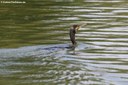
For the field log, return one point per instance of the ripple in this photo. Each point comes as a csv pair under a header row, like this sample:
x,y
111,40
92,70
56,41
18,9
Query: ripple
x,y
69,18
102,1
35,29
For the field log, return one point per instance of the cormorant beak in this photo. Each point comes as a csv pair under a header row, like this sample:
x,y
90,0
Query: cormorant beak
x,y
77,28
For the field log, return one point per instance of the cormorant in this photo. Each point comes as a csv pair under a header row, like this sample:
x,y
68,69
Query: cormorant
x,y
72,33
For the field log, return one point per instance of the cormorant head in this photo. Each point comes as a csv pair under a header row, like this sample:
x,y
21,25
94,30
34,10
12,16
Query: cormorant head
x,y
76,27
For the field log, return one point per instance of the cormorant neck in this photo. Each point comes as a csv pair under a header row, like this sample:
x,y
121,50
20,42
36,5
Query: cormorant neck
x,y
72,36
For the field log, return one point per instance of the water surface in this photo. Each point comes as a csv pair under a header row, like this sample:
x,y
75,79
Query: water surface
x,y
33,37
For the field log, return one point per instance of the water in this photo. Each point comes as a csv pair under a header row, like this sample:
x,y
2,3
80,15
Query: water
x,y
33,37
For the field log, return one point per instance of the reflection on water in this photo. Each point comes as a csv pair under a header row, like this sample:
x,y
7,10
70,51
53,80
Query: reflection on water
x,y
33,37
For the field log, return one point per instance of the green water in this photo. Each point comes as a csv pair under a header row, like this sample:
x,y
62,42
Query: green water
x,y
33,36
